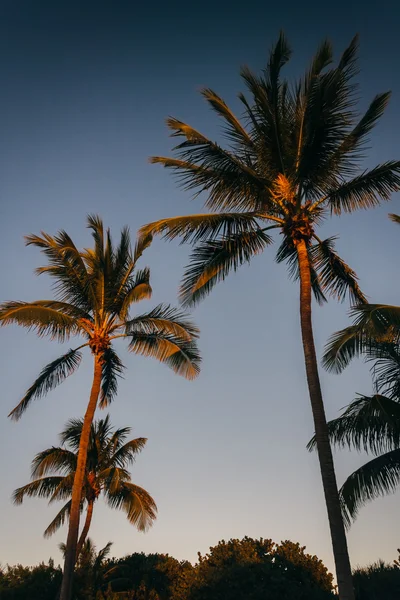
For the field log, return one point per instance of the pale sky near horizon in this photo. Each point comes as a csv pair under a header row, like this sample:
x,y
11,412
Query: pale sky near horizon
x,y
85,89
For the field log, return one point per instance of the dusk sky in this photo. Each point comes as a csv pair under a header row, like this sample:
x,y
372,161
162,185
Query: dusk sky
x,y
85,90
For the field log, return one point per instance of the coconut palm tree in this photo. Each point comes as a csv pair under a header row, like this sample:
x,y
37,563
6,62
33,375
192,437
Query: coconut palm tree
x,y
109,456
95,289
293,160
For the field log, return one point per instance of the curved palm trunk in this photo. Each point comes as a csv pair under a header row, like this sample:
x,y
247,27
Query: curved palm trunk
x,y
73,529
85,530
338,535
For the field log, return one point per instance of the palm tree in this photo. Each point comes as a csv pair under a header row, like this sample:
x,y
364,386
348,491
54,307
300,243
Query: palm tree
x,y
109,456
290,162
95,289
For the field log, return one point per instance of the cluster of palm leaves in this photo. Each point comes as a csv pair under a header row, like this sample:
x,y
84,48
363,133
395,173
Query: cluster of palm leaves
x,y
292,160
109,455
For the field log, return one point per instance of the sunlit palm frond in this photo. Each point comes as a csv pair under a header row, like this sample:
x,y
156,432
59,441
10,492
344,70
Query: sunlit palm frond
x,y
394,218
163,319
233,128
44,317
195,228
53,460
50,377
140,508
211,262
138,289
378,477
181,355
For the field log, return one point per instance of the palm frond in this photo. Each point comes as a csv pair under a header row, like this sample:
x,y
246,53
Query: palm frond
x,y
43,316
58,520
140,508
53,460
127,453
233,129
369,424
335,276
367,190
181,355
211,262
112,369
50,377
373,324
40,488
394,218
138,289
67,267
378,477
195,228
163,318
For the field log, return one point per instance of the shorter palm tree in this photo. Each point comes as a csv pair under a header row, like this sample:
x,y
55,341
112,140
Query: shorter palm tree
x,y
109,455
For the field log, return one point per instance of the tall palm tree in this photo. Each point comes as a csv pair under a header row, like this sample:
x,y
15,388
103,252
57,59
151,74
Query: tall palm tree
x,y
292,160
109,456
95,289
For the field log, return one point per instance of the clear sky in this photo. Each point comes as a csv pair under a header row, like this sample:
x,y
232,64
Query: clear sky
x,y
85,89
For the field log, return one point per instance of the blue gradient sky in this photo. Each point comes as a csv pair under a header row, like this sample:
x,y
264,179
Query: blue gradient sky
x,y
84,94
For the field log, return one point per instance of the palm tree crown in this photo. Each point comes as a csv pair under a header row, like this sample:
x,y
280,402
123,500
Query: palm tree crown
x,y
293,159
95,290
109,456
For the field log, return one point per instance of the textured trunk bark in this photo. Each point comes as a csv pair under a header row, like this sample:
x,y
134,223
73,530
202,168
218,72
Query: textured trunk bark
x,y
85,530
73,529
338,535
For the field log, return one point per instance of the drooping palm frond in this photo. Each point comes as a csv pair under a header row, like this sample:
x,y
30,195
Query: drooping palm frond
x,y
138,505
335,277
58,520
163,319
112,369
181,355
42,316
195,228
366,190
40,488
53,460
211,262
373,324
51,376
378,477
369,423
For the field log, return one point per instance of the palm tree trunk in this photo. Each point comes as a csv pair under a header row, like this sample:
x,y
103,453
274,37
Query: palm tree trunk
x,y
338,535
73,529
85,530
